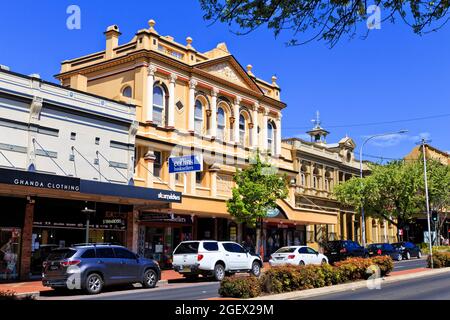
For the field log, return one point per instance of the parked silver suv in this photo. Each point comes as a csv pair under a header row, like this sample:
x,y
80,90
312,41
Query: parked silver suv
x,y
93,266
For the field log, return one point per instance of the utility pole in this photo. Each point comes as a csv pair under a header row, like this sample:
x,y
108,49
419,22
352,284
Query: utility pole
x,y
424,146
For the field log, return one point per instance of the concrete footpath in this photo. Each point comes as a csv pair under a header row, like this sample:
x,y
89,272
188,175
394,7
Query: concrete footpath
x,y
393,277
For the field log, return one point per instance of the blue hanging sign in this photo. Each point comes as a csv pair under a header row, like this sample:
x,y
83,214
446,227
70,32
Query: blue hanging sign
x,y
192,163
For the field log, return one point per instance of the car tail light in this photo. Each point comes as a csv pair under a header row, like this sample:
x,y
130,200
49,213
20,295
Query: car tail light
x,y
344,250
271,257
70,263
291,256
199,257
379,252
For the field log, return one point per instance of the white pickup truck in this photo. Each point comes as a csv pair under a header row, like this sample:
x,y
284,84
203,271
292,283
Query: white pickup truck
x,y
214,259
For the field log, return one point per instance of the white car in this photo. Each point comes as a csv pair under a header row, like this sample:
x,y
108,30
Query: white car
x,y
214,258
297,255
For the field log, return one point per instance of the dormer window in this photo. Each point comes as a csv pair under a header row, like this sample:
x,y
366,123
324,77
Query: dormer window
x,y
127,92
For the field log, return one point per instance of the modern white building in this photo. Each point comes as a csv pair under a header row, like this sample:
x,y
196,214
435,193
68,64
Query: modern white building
x,y
65,156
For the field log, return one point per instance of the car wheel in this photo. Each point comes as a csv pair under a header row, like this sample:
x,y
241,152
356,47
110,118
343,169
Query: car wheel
x,y
324,262
408,256
399,257
219,272
150,278
302,263
256,269
94,283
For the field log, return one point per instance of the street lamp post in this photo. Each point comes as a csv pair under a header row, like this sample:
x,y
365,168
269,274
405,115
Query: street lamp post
x,y
87,212
424,144
363,222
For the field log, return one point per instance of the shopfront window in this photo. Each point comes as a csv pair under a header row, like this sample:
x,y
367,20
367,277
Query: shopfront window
x,y
9,253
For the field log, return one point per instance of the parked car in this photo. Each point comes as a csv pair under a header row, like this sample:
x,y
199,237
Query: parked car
x,y
342,249
408,250
297,255
98,265
384,249
214,259
39,256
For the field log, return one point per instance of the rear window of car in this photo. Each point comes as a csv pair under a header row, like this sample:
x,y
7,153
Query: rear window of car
x,y
61,254
396,245
88,254
211,246
187,248
285,250
335,244
375,246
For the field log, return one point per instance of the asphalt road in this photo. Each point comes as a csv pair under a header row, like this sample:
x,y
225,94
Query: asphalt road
x,y
424,288
179,289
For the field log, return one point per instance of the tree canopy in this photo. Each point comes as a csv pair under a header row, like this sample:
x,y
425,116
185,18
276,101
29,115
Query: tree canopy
x,y
257,190
396,191
326,20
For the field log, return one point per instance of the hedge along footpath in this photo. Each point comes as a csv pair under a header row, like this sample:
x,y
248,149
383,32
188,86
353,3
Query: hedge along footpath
x,y
440,260
293,278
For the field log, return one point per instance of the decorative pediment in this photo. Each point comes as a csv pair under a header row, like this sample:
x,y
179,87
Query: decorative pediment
x,y
347,143
228,69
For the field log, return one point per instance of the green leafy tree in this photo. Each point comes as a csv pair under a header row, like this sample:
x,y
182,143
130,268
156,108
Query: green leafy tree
x,y
391,192
324,20
257,189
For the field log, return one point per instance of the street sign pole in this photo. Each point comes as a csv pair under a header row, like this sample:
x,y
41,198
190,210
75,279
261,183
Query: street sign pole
x,y
428,200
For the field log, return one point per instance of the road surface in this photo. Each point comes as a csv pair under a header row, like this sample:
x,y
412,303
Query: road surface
x,y
180,289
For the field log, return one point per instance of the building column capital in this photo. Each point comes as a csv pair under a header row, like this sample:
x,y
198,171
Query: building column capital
x,y
214,92
193,84
151,70
173,77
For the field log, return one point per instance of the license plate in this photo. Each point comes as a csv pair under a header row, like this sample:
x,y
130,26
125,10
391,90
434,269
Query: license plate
x,y
186,269
334,253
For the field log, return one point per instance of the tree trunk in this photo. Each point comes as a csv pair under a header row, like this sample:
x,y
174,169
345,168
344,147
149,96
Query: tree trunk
x,y
258,237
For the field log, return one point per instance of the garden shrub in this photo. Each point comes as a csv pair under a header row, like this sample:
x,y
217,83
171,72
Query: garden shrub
x,y
240,287
440,260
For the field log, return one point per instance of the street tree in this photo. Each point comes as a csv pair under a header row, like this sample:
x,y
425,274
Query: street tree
x,y
325,20
391,192
258,187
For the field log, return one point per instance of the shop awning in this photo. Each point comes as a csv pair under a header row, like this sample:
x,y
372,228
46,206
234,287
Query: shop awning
x,y
37,183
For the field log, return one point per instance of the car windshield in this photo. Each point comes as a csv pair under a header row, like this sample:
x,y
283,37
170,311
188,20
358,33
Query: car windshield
x,y
187,248
285,250
375,246
61,254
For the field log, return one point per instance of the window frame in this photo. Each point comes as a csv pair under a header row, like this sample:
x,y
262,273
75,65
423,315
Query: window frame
x,y
162,107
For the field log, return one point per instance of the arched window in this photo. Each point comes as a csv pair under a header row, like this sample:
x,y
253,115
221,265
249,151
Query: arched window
x,y
198,117
303,176
158,105
316,178
220,123
328,181
242,129
270,137
127,92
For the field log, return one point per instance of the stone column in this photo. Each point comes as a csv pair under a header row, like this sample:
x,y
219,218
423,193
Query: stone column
x,y
255,142
192,85
213,122
150,160
278,136
192,183
149,93
27,238
236,120
213,174
171,110
264,130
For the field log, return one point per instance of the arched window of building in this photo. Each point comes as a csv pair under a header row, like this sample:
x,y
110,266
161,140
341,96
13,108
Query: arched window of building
x,y
303,176
198,117
127,92
328,181
270,137
221,123
158,105
242,126
316,178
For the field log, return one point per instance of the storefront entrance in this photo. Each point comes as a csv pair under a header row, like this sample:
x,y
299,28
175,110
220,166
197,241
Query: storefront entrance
x,y
160,233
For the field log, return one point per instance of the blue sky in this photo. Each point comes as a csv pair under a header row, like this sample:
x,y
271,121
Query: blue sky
x,y
393,75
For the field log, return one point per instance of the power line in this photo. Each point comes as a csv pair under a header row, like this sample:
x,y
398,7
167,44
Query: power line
x,y
445,115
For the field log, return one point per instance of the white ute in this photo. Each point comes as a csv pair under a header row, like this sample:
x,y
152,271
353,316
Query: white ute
x,y
214,259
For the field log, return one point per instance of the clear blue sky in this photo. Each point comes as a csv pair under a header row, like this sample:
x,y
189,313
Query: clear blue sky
x,y
392,75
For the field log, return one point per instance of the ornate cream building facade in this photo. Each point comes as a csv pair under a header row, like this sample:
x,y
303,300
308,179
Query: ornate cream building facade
x,y
192,102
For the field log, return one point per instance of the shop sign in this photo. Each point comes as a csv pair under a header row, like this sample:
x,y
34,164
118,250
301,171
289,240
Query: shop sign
x,y
39,180
164,217
190,163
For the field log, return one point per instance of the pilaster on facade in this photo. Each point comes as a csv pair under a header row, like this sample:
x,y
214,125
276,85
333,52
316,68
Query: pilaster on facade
x,y
213,127
171,107
255,114
265,120
278,136
151,70
191,108
35,112
236,115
